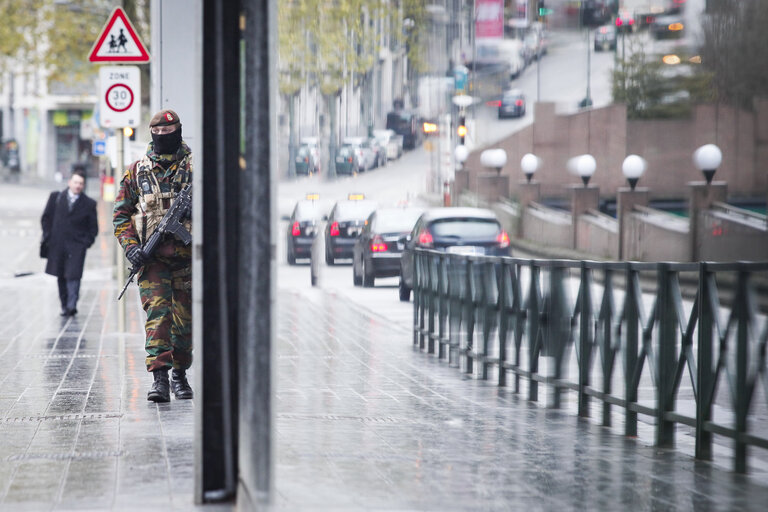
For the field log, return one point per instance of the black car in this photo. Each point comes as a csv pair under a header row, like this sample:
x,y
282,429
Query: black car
x,y
345,223
512,104
453,230
605,38
302,228
378,248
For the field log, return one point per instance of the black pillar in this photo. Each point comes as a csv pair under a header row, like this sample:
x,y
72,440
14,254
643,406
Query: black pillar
x,y
220,174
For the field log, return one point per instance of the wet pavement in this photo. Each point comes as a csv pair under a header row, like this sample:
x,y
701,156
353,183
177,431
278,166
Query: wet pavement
x,y
362,421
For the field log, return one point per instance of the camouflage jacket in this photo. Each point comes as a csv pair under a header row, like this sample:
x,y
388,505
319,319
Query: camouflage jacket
x,y
129,195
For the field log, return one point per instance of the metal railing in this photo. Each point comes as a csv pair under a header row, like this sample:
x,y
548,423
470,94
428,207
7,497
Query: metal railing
x,y
700,361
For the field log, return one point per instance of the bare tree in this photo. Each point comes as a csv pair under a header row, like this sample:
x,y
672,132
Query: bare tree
x,y
735,39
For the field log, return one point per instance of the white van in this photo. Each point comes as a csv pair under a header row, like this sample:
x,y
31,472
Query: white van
x,y
506,51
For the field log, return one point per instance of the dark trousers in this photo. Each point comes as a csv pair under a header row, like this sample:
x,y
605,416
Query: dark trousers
x,y
69,292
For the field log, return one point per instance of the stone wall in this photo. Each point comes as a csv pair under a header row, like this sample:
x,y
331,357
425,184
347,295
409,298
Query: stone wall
x,y
667,145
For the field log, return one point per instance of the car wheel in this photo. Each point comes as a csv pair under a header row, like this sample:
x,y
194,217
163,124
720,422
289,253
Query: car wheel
x,y
291,258
356,279
405,292
328,258
368,279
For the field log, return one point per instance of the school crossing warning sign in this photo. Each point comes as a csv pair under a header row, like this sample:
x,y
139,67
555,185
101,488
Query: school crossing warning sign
x,y
118,41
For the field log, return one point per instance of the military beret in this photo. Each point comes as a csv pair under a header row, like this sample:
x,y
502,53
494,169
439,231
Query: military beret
x,y
164,118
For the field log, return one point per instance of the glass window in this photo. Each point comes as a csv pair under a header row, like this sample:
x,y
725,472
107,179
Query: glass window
x,y
465,228
395,221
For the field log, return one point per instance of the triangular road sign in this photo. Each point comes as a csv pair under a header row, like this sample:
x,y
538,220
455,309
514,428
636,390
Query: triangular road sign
x,y
118,41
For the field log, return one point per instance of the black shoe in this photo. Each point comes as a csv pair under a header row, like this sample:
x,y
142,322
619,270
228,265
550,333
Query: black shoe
x,y
72,312
64,312
160,391
181,388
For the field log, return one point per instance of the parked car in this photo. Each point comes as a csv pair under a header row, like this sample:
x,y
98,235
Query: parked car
x,y
605,38
380,150
391,141
346,160
366,156
303,225
512,104
377,250
305,162
313,145
345,222
407,125
452,230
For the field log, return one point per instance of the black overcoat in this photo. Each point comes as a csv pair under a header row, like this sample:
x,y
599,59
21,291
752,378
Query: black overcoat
x,y
69,233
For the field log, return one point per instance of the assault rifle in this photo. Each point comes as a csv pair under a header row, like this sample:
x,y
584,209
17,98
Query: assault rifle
x,y
170,223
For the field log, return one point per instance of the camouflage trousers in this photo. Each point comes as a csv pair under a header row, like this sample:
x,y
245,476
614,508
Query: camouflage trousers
x,y
165,287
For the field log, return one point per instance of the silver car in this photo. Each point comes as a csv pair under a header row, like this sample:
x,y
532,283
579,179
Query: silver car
x,y
366,156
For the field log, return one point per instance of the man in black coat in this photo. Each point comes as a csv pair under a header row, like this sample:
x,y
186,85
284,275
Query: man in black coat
x,y
69,228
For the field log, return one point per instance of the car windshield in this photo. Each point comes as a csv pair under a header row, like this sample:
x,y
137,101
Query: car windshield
x,y
395,221
399,122
465,228
307,210
346,150
304,151
354,210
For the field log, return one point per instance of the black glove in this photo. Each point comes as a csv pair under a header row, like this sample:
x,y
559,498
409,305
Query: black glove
x,y
136,256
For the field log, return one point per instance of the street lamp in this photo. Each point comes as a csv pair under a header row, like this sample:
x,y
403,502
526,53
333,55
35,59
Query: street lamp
x,y
708,158
633,167
529,164
494,158
584,166
460,154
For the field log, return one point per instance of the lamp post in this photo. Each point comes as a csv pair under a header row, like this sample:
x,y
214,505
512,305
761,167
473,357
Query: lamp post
x,y
633,167
528,192
529,164
491,186
583,199
460,154
708,158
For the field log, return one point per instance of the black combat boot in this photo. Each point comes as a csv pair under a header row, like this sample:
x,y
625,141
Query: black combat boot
x,y
160,391
181,388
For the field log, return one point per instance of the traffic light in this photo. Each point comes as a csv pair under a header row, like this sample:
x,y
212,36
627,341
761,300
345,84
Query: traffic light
x,y
543,11
461,131
129,132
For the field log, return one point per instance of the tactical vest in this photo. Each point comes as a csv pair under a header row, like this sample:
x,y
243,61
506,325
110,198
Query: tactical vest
x,y
153,202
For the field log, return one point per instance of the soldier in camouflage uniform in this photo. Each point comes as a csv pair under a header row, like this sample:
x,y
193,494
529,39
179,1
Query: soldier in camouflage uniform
x,y
147,189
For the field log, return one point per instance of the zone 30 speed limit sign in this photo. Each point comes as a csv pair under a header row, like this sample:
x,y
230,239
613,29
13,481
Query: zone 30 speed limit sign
x,y
119,96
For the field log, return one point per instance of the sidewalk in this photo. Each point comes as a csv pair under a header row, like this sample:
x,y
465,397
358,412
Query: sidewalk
x,y
76,430
362,420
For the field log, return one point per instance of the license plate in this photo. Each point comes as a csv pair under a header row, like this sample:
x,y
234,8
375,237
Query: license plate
x,y
400,246
309,231
353,231
465,249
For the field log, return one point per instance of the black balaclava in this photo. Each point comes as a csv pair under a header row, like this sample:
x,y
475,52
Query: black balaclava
x,y
167,143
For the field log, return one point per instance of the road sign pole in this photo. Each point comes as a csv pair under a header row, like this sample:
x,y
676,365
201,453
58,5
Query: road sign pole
x,y
120,260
